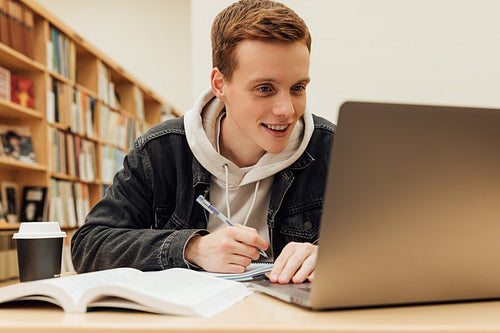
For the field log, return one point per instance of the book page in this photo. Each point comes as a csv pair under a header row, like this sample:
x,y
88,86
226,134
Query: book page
x,y
77,285
65,291
174,291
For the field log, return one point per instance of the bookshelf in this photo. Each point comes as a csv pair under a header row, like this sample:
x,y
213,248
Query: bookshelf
x,y
87,111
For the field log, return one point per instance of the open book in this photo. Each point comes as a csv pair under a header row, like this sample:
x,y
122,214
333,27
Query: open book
x,y
173,291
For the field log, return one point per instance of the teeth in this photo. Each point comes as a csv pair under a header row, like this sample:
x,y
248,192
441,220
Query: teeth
x,y
277,127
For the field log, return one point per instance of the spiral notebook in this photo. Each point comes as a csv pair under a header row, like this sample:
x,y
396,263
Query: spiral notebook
x,y
253,271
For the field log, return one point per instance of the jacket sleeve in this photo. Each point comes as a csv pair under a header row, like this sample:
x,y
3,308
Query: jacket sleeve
x,y
119,230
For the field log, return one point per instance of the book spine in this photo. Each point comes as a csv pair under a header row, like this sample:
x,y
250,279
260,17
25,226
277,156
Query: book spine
x,y
8,256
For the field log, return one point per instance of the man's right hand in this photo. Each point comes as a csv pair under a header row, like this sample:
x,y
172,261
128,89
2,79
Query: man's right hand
x,y
227,250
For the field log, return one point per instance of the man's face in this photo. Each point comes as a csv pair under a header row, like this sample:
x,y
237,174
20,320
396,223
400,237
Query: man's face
x,y
264,98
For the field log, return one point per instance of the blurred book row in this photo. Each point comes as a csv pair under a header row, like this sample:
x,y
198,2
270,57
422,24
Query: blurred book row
x,y
72,155
30,205
8,256
67,203
16,89
17,26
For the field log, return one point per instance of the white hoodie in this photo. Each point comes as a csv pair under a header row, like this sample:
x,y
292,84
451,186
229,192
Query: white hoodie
x,y
249,189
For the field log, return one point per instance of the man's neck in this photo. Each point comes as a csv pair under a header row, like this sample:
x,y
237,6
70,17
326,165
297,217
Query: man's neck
x,y
234,149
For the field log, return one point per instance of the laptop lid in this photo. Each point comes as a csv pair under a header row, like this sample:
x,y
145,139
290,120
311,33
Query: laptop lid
x,y
412,207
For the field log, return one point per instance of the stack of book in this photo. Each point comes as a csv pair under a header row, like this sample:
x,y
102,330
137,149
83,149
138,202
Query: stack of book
x,y
72,155
111,162
69,202
59,103
17,25
17,89
106,87
116,128
83,114
8,256
61,54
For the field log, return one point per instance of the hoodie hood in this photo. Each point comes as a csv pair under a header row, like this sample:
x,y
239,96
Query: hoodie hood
x,y
202,130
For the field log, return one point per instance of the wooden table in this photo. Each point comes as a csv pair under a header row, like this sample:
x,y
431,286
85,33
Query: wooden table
x,y
260,313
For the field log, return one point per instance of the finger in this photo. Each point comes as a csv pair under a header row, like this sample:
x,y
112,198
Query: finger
x,y
234,247
249,236
292,266
290,262
280,262
311,276
305,270
236,264
219,252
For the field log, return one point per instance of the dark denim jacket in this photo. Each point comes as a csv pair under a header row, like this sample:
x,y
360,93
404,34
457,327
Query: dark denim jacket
x,y
149,212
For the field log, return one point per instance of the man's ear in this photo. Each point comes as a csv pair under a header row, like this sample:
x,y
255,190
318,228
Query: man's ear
x,y
218,82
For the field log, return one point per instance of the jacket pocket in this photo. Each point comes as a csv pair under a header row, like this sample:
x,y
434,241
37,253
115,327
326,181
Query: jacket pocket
x,y
301,223
166,219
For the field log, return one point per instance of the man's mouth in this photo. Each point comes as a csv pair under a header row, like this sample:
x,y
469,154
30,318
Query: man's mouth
x,y
277,127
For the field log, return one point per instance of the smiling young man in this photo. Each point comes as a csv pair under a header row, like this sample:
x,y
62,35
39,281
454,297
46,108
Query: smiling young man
x,y
249,145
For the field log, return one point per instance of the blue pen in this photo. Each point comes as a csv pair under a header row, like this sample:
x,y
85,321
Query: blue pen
x,y
212,210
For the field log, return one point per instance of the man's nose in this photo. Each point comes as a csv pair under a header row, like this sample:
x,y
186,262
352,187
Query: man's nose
x,y
283,106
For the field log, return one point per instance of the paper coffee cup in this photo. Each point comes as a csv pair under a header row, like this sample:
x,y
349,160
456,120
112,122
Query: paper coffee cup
x,y
39,250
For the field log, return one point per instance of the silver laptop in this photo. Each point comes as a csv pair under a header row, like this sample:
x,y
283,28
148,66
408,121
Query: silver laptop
x,y
412,209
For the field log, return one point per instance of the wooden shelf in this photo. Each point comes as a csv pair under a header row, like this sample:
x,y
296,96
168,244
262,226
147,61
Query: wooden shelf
x,y
98,80
8,226
8,164
15,226
15,111
17,61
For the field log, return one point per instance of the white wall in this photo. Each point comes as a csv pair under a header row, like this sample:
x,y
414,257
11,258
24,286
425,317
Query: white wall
x,y
416,51
149,38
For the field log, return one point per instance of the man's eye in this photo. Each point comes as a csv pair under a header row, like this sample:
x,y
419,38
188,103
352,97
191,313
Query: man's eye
x,y
298,88
264,89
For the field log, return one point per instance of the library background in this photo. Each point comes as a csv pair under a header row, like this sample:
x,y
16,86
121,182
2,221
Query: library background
x,y
68,116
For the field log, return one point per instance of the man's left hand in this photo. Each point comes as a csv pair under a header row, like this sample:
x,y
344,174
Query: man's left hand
x,y
296,263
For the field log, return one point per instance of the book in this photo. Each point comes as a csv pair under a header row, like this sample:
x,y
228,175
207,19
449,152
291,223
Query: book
x,y
22,91
4,84
175,291
10,201
139,103
4,22
61,58
28,32
3,218
56,213
17,145
8,255
34,204
82,205
15,14
68,217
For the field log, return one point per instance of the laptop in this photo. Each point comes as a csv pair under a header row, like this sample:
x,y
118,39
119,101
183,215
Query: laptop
x,y
411,212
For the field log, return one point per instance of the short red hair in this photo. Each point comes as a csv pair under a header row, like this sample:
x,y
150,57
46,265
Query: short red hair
x,y
253,19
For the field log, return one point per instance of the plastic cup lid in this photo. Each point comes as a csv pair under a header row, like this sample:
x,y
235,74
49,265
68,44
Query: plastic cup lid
x,y
30,230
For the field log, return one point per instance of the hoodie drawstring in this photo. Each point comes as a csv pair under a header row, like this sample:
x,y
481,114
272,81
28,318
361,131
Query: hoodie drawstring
x,y
226,169
227,191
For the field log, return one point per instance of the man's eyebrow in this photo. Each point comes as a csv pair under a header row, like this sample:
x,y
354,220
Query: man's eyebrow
x,y
261,80
264,79
305,80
